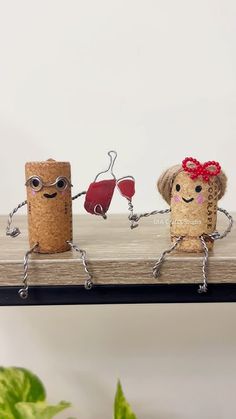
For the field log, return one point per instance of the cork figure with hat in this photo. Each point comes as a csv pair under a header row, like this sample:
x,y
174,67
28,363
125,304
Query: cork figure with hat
x,y
192,191
49,208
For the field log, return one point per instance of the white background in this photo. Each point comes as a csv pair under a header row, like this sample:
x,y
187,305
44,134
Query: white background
x,y
154,80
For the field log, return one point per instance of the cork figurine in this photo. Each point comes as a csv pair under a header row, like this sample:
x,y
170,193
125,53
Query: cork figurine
x,y
192,191
49,208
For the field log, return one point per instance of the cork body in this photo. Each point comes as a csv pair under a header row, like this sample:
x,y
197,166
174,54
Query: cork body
x,y
193,211
50,208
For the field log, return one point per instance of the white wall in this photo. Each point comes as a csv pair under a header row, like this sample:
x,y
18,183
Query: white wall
x,y
175,361
156,81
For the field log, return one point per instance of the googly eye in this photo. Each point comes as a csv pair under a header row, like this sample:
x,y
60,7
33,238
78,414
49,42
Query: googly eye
x,y
177,187
198,188
35,183
61,184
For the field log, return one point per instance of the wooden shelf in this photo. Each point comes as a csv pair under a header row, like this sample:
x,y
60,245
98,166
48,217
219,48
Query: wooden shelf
x,y
121,261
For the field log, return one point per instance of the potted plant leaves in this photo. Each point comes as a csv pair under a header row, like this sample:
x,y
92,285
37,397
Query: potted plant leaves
x,y
23,396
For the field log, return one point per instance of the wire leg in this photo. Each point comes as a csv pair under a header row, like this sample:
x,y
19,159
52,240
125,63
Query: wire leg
x,y
158,264
88,282
23,292
203,287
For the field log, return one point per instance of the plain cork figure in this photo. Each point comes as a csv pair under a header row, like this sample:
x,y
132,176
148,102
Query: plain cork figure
x,y
192,190
49,207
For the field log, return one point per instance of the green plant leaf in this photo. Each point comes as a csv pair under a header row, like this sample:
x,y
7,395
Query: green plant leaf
x,y
122,409
40,410
18,385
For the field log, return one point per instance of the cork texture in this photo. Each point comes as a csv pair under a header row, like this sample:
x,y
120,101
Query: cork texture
x,y
49,218
193,211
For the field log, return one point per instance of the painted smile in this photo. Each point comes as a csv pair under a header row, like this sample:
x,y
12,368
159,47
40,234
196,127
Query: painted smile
x,y
188,200
53,195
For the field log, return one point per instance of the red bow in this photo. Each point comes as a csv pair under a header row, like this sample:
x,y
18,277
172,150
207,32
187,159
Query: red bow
x,y
195,168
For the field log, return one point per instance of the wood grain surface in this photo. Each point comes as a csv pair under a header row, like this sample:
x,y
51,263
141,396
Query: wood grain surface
x,y
116,254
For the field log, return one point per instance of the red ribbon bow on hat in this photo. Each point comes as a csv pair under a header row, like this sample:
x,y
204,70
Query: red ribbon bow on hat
x,y
195,168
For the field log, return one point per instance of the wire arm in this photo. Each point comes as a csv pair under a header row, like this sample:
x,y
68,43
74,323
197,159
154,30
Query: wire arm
x,y
133,222
14,231
216,235
78,195
136,217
